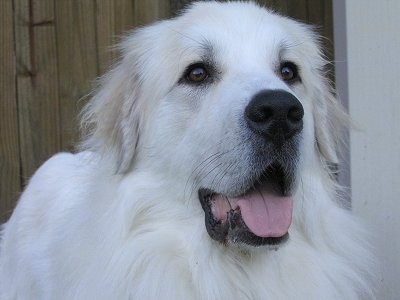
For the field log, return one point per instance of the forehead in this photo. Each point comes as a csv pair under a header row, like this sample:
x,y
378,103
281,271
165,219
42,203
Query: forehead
x,y
233,31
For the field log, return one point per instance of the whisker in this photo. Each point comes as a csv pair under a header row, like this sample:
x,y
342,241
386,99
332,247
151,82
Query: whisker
x,y
223,173
209,161
199,171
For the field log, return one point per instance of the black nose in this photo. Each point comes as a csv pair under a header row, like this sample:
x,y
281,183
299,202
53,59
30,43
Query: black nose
x,y
276,115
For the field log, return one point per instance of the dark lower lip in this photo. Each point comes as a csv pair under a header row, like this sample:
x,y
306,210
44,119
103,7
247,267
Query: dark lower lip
x,y
256,241
233,230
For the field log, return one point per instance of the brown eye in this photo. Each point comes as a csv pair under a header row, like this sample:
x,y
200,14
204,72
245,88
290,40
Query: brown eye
x,y
289,72
197,73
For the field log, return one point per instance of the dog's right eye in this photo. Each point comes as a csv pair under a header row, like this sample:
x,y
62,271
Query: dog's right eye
x,y
196,73
289,72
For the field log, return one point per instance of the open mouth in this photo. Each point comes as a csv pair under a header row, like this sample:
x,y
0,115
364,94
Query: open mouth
x,y
260,216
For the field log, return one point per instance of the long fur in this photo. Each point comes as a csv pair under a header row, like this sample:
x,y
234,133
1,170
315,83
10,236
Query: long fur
x,y
121,219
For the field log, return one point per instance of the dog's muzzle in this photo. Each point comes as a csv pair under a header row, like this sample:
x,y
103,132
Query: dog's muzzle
x,y
262,214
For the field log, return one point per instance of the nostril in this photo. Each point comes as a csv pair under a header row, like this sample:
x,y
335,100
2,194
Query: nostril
x,y
295,114
261,114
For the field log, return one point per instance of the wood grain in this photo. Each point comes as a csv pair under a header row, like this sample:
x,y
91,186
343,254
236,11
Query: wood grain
x,y
37,84
9,144
77,63
297,9
177,5
280,6
113,19
149,11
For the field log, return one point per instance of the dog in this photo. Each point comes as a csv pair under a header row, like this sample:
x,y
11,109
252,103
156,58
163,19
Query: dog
x,y
204,174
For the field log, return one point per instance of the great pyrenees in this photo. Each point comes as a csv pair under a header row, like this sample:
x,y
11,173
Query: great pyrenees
x,y
205,174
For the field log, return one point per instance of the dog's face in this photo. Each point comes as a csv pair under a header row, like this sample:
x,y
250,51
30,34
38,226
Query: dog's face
x,y
223,100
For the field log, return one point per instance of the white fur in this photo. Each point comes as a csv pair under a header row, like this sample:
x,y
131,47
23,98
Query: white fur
x,y
122,220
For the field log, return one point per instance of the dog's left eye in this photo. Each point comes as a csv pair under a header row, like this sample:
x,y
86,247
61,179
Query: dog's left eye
x,y
289,72
196,73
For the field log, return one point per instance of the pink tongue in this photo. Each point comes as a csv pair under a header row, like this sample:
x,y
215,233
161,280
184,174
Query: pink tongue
x,y
266,214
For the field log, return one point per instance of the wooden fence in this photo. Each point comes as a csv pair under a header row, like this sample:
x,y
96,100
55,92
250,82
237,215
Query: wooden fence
x,y
50,53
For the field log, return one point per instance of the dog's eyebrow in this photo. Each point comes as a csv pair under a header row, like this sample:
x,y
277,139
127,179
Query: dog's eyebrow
x,y
284,46
208,52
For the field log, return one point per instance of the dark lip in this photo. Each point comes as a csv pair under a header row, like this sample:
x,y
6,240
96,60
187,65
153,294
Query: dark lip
x,y
234,229
250,239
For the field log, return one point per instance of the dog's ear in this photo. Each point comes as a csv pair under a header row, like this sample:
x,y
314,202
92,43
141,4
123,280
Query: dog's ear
x,y
331,123
330,119
112,119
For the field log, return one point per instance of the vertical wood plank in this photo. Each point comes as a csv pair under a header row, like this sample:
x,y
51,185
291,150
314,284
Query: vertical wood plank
x,y
177,5
113,19
36,82
123,16
9,144
327,24
150,11
315,9
105,30
279,6
298,9
77,63
320,14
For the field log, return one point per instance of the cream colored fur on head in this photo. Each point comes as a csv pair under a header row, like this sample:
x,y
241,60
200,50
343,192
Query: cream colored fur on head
x,y
122,219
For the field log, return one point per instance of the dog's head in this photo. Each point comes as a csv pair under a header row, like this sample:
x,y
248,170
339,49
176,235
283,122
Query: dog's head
x,y
228,99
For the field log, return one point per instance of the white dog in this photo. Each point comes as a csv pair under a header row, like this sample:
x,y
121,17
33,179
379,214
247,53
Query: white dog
x,y
205,175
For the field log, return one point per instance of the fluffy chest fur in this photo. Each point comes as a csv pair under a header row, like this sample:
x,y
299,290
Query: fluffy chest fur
x,y
135,245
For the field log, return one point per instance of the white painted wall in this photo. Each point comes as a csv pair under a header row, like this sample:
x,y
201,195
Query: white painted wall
x,y
373,72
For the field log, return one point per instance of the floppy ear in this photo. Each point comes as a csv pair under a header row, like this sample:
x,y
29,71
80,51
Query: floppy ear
x,y
330,119
331,122
111,120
